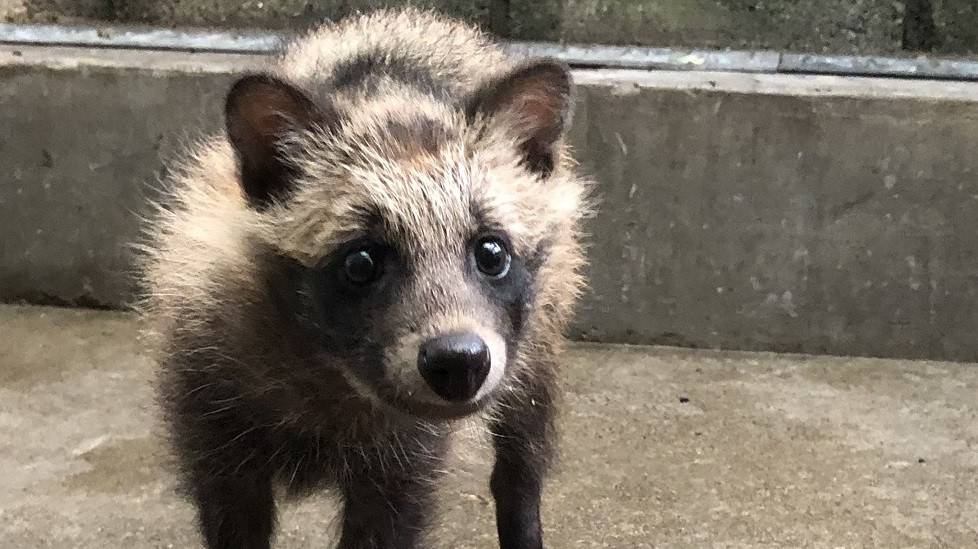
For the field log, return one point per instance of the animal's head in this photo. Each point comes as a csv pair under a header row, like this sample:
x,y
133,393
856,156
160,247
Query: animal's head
x,y
429,244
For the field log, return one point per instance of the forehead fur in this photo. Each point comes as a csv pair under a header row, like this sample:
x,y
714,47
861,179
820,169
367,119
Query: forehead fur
x,y
427,181
463,53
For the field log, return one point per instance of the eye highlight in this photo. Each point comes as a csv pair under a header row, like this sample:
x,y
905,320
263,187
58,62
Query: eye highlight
x,y
362,266
491,256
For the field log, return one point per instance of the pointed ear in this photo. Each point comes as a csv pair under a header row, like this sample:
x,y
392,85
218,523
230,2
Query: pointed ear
x,y
536,101
260,111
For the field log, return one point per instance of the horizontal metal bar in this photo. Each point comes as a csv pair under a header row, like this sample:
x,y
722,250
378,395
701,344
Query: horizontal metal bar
x,y
623,57
137,37
920,67
589,56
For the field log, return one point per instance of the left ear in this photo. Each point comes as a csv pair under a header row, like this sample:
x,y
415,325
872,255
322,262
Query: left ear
x,y
535,102
260,111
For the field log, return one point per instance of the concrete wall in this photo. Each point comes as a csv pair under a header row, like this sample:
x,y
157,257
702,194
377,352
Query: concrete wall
x,y
838,26
833,26
764,212
794,221
274,14
81,150
956,26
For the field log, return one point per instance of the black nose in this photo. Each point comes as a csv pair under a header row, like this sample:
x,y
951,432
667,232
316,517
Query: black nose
x,y
454,365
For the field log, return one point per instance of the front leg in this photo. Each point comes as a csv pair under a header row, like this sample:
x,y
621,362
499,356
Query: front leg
x,y
391,516
523,439
235,512
387,503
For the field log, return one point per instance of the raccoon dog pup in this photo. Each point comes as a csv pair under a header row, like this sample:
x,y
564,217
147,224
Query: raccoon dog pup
x,y
382,247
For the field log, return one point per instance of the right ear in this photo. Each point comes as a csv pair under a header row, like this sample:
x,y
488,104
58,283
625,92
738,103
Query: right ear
x,y
536,98
260,111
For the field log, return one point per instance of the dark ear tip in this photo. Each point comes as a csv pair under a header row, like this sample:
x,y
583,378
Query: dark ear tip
x,y
251,78
239,91
552,64
254,96
553,70
250,83
260,109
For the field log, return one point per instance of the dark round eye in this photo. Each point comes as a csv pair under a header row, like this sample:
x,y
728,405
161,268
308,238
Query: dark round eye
x,y
491,256
362,266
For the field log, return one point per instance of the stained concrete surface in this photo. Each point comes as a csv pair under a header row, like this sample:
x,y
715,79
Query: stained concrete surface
x,y
662,448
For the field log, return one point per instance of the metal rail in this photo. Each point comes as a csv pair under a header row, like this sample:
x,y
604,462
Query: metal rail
x,y
590,56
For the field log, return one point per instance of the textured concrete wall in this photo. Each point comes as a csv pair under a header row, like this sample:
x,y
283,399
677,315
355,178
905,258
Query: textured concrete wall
x,y
788,222
81,150
956,24
277,13
838,26
739,211
274,14
834,26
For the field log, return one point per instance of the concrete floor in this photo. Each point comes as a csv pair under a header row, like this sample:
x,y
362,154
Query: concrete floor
x,y
769,451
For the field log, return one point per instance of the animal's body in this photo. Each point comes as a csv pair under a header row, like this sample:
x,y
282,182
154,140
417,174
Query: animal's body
x,y
383,244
